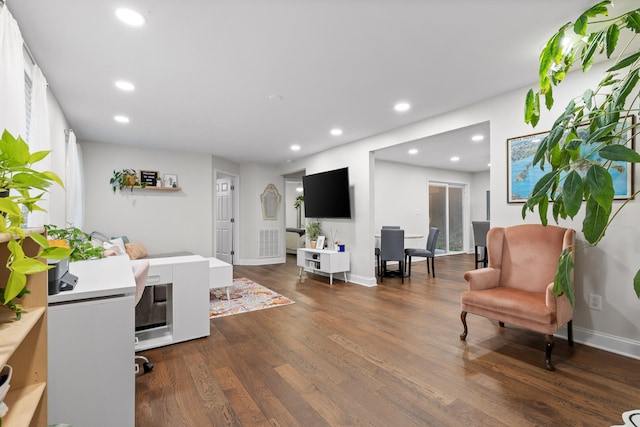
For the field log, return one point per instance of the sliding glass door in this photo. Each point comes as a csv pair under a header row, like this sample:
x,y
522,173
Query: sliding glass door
x,y
446,213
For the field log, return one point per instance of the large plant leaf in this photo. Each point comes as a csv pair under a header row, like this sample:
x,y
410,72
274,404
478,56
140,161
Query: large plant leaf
x,y
600,186
636,283
625,62
572,193
613,32
633,21
28,266
595,221
562,281
620,153
15,285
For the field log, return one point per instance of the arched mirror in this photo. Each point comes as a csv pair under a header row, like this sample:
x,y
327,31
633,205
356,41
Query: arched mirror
x,y
270,199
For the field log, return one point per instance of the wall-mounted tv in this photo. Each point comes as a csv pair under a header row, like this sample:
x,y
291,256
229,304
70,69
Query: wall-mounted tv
x,y
326,194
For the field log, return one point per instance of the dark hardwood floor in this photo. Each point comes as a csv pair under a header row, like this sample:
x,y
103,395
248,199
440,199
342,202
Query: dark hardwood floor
x,y
383,356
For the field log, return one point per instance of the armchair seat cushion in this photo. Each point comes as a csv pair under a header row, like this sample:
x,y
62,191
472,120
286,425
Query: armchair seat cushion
x,y
514,306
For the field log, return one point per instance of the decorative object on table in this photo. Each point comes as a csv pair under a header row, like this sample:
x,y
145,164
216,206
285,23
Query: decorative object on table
x,y
320,242
298,205
601,109
521,151
246,295
77,240
313,231
270,202
149,178
16,174
125,178
170,180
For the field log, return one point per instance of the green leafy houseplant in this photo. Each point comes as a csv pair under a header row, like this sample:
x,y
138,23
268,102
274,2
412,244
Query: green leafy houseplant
x,y
125,178
17,176
313,230
79,242
580,162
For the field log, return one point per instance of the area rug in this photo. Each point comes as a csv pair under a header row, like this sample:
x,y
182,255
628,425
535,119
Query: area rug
x,y
246,295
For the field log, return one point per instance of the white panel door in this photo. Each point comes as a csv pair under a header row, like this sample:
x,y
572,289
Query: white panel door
x,y
224,219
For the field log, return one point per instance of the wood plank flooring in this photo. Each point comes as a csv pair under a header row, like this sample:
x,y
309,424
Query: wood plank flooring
x,y
347,355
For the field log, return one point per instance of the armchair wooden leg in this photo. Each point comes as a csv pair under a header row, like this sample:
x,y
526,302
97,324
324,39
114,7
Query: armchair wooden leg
x,y
501,324
570,333
463,317
548,339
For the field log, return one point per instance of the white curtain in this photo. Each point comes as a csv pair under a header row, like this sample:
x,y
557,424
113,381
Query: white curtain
x,y
73,183
12,102
39,140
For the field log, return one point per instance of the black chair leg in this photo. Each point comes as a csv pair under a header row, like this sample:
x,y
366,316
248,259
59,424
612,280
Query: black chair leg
x,y
570,333
409,266
433,266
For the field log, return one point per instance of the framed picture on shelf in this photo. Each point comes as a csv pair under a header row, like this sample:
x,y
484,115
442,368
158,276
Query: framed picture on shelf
x,y
320,242
170,180
149,177
522,175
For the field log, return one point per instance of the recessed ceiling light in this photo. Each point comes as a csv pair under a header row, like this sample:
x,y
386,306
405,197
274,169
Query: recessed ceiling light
x,y
455,158
402,106
477,137
336,132
130,17
121,119
413,151
299,189
295,147
126,86
489,164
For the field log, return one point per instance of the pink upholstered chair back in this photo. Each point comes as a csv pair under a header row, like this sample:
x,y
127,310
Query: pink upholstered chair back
x,y
527,254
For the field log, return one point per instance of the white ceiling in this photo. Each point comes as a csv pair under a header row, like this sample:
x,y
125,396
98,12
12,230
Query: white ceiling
x,y
246,79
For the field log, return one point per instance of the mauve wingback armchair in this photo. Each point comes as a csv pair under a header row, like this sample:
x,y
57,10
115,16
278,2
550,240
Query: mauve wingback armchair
x,y
517,286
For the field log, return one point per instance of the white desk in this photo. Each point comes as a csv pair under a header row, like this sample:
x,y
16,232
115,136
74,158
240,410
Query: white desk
x,y
187,280
91,346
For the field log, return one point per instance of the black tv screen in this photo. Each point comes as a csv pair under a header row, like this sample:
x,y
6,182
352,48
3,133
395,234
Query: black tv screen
x,y
326,194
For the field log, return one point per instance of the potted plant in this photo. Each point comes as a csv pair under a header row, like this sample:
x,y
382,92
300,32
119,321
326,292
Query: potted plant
x,y
580,163
125,178
313,231
17,179
77,240
298,205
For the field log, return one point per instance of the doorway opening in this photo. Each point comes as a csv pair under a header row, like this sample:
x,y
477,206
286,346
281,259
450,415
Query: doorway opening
x,y
446,212
225,226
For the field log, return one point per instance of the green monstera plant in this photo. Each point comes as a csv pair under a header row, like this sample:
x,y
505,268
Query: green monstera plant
x,y
593,132
17,180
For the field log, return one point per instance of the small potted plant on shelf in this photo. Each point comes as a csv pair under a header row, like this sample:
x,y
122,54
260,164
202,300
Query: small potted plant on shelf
x,y
298,205
17,181
125,178
313,231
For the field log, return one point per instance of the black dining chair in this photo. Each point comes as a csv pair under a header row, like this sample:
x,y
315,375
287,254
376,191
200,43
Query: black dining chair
x,y
480,230
428,252
377,250
391,249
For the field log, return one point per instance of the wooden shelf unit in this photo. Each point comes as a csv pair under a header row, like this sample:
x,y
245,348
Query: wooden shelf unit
x,y
151,187
23,345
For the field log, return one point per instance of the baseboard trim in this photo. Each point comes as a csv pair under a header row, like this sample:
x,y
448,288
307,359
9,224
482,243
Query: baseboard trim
x,y
606,342
260,261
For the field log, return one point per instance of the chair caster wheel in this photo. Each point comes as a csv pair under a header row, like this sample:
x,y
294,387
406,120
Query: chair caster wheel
x,y
147,367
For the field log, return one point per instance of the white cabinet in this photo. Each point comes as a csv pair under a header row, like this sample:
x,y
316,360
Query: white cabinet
x,y
325,261
91,347
187,280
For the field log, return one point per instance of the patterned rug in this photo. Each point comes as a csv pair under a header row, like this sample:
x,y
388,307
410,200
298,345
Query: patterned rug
x,y
246,295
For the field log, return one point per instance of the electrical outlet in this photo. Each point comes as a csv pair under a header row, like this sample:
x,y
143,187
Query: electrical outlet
x,y
595,302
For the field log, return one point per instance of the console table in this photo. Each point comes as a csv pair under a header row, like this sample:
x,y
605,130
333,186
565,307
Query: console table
x,y
326,261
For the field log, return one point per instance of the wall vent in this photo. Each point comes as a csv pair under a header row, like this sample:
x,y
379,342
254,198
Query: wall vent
x,y
269,243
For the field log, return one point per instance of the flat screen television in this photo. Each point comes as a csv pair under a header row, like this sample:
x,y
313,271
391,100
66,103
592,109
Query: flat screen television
x,y
326,194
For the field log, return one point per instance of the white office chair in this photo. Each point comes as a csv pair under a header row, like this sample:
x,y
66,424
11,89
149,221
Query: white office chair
x,y
140,272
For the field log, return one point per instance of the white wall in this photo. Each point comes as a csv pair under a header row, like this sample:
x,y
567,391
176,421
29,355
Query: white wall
x,y
164,221
57,124
254,179
480,185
